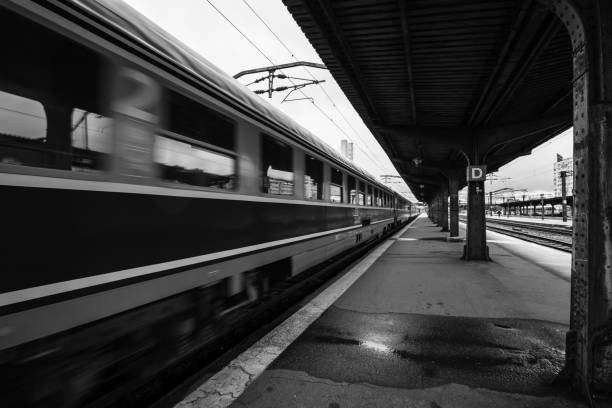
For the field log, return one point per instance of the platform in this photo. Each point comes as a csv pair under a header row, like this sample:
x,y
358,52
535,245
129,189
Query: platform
x,y
533,219
417,328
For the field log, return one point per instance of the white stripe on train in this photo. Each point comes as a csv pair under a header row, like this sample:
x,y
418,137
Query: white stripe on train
x,y
37,292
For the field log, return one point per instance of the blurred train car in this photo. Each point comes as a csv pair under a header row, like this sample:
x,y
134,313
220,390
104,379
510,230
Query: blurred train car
x,y
143,193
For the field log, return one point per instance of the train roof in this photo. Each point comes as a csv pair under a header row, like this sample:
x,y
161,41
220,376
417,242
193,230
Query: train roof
x,y
132,23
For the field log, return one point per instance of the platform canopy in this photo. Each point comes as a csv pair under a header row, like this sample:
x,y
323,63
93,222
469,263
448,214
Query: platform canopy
x,y
439,82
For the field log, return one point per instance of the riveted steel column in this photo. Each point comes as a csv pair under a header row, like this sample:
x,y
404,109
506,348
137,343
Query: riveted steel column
x,y
476,235
436,211
453,187
433,210
597,346
589,340
444,207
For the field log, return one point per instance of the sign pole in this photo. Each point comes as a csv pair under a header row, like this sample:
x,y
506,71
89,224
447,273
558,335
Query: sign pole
x,y
563,196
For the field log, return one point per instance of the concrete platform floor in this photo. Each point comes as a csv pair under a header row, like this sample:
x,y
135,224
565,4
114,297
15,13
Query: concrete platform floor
x,y
421,328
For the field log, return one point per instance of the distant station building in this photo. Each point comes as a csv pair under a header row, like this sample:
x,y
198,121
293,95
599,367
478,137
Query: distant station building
x,y
563,165
346,148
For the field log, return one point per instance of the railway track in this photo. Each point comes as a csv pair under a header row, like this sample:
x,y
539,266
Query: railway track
x,y
538,226
553,236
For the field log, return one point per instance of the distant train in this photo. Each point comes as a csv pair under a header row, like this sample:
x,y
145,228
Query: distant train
x,y
143,192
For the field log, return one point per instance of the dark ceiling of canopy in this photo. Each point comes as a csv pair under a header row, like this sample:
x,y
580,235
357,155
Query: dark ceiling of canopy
x,y
431,77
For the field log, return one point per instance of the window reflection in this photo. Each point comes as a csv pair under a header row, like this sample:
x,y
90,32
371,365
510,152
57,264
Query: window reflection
x,y
278,182
360,194
352,189
313,179
187,163
23,128
91,140
277,167
335,194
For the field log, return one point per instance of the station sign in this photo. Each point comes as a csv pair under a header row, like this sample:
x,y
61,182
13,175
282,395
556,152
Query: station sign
x,y
476,173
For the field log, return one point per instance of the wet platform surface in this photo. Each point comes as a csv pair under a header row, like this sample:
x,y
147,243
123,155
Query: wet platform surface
x,y
421,328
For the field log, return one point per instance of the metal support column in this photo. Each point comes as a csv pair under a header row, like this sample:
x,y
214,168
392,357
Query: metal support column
x,y
476,237
444,208
563,196
432,210
589,340
436,210
453,187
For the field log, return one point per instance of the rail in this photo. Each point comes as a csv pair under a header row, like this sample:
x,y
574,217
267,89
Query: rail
x,y
553,236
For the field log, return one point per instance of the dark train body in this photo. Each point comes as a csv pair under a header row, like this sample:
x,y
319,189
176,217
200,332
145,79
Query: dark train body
x,y
143,191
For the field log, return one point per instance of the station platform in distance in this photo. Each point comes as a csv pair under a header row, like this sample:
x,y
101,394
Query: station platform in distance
x,y
533,219
412,325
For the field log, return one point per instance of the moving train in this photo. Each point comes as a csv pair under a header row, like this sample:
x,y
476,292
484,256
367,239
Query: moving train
x,y
145,192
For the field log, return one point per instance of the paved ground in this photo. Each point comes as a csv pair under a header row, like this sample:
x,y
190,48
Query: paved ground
x,y
421,328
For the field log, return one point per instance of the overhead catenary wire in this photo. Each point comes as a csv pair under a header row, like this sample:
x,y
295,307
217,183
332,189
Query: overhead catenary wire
x,y
241,33
309,73
376,162
293,83
380,166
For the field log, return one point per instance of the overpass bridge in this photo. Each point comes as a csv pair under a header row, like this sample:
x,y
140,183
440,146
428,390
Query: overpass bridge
x,y
446,84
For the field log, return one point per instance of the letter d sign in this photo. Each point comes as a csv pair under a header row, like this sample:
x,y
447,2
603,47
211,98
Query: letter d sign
x,y
476,173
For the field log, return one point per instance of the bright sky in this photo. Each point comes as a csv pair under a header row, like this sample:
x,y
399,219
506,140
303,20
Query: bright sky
x,y
535,171
205,30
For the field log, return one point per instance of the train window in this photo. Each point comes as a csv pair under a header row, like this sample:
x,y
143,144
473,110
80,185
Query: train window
x,y
276,166
336,188
369,196
189,118
23,126
39,96
352,189
188,163
361,193
313,179
91,140
378,201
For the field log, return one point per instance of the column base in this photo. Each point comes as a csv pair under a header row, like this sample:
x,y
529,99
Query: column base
x,y
454,239
476,255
